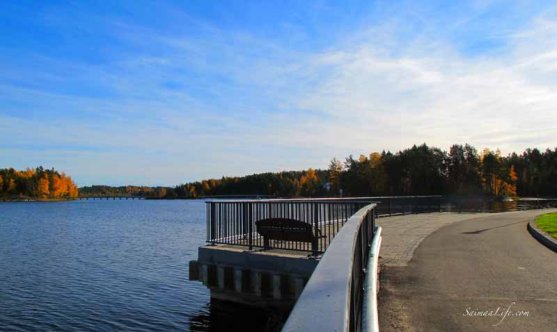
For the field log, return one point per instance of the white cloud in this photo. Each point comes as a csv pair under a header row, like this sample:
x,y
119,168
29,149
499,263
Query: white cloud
x,y
375,101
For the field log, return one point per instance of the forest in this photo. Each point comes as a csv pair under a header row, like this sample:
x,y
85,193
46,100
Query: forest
x,y
36,184
419,170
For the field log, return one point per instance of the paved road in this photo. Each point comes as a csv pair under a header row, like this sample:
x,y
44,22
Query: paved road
x,y
465,272
403,234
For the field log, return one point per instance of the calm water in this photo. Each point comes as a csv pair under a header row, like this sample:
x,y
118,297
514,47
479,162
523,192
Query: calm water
x,y
113,265
103,266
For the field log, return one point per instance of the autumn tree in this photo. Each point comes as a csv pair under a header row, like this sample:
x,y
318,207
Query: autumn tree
x,y
43,189
335,170
310,184
57,186
497,180
375,172
463,170
36,183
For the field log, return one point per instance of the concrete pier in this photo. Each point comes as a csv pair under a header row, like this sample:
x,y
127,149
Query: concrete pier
x,y
265,278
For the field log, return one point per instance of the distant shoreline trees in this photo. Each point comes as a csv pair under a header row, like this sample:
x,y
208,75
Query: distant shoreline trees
x,y
126,191
36,184
419,170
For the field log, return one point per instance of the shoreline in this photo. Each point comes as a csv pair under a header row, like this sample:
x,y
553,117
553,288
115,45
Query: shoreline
x,y
29,200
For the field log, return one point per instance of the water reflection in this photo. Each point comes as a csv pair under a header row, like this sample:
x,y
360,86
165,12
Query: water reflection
x,y
225,316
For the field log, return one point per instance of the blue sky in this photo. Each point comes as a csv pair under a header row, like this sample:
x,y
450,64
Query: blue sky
x,y
164,92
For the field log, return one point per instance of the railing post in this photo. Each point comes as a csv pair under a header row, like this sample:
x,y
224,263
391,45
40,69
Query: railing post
x,y
364,230
370,220
373,221
247,214
315,248
213,222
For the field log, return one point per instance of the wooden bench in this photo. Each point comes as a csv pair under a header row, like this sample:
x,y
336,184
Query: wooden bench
x,y
287,230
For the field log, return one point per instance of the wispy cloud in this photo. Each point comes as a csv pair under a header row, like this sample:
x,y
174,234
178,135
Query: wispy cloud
x,y
443,97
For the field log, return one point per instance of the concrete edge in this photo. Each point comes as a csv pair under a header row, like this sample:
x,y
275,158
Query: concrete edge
x,y
544,238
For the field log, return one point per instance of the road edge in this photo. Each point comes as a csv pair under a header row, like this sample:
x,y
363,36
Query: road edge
x,y
542,237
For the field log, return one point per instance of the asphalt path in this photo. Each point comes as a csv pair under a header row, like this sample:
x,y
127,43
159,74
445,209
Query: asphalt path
x,y
481,274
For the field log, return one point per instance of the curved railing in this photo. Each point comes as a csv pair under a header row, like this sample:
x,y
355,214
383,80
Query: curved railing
x,y
334,296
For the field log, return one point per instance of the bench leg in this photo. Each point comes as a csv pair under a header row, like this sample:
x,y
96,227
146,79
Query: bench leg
x,y
266,243
314,246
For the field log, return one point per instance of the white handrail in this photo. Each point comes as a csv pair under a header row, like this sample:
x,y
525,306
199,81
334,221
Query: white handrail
x,y
370,315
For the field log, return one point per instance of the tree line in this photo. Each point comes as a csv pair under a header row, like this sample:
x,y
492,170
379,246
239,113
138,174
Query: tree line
x,y
126,191
308,183
419,170
36,183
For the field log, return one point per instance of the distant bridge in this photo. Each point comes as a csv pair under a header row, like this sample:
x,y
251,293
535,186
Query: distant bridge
x,y
107,197
237,196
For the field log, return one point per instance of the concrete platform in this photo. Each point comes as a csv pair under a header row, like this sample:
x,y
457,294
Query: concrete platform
x,y
265,278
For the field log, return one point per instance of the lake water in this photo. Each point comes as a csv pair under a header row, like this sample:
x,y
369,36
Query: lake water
x,y
112,265
103,266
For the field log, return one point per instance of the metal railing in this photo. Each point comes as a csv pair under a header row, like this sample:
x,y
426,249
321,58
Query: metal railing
x,y
333,298
397,205
232,222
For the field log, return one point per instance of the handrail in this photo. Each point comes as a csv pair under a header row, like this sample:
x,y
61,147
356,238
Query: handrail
x,y
370,321
332,298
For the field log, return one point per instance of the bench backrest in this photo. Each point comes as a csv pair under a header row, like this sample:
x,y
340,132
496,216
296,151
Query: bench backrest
x,y
285,229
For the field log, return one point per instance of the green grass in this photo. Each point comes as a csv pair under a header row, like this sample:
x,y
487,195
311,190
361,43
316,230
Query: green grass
x,y
548,223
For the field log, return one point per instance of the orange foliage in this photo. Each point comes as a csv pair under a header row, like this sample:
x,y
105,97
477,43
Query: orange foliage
x,y
308,184
37,183
496,180
43,187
